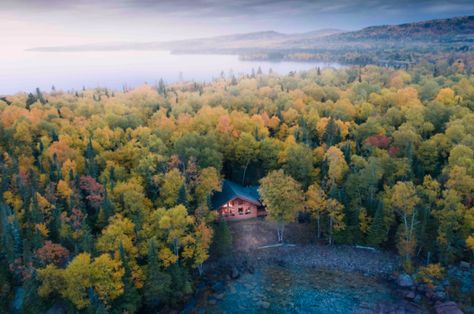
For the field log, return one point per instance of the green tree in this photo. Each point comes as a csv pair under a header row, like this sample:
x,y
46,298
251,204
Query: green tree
x,y
130,299
222,240
283,197
157,284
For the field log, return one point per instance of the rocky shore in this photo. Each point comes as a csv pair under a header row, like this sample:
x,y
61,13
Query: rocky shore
x,y
342,258
344,268
222,278
374,265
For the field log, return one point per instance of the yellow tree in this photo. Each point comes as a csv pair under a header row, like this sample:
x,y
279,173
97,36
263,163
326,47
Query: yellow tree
x,y
119,231
470,243
337,165
52,280
403,200
336,217
446,96
106,277
78,281
283,197
198,245
315,203
129,198
172,182
176,223
207,183
246,150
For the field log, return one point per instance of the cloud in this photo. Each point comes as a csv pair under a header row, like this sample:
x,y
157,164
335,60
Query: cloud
x,y
125,20
231,7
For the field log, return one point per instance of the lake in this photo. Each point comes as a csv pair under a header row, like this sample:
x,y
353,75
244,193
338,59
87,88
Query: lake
x,y
277,289
25,70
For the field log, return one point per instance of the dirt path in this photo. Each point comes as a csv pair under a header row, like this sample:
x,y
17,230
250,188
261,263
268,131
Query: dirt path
x,y
250,236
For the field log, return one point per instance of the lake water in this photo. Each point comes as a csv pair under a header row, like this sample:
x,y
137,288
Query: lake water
x,y
26,70
276,289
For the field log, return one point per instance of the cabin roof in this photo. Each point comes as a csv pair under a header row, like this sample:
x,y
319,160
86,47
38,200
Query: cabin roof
x,y
232,190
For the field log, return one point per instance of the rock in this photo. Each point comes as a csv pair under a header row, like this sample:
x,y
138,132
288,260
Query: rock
x,y
405,281
364,305
264,304
281,263
409,295
465,265
447,308
212,301
429,294
439,296
234,273
251,269
418,299
218,287
438,288
219,296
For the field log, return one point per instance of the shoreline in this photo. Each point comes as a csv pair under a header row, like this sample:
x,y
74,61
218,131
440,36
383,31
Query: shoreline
x,y
220,275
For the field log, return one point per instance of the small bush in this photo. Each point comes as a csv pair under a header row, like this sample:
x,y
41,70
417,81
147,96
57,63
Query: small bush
x,y
430,274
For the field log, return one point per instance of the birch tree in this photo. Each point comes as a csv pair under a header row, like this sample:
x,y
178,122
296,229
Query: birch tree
x,y
283,197
403,200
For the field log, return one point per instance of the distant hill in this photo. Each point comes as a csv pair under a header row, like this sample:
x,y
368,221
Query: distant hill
x,y
249,41
433,30
255,40
456,29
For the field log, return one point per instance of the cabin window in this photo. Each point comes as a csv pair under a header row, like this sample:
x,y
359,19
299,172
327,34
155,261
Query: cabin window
x,y
241,211
248,211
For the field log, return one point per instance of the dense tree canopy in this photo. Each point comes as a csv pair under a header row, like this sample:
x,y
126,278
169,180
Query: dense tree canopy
x,y
105,196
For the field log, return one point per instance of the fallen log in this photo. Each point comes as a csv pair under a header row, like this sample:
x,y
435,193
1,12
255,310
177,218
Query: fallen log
x,y
366,248
276,245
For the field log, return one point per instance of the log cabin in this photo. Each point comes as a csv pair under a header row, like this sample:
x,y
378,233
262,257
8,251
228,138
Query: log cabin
x,y
236,202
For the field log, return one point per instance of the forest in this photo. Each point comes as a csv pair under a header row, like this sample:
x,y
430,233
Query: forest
x,y
105,195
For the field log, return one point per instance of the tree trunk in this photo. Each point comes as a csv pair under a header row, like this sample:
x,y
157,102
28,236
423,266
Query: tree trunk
x,y
330,231
280,230
319,227
245,171
176,247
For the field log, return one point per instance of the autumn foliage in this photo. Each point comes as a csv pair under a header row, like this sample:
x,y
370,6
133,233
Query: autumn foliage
x,y
106,196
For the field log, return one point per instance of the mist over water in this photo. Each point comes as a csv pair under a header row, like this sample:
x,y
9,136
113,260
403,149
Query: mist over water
x,y
25,70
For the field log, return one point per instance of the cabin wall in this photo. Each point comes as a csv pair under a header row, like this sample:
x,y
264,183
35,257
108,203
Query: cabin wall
x,y
238,209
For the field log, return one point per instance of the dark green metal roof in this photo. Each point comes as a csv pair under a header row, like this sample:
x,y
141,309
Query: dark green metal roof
x,y
232,190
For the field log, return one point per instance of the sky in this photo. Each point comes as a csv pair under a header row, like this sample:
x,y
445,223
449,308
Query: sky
x,y
32,23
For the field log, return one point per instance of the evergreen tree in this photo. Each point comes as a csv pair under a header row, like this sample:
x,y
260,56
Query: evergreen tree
x,y
30,100
130,300
376,234
332,133
182,196
39,96
180,282
162,88
8,243
157,284
222,240
91,165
